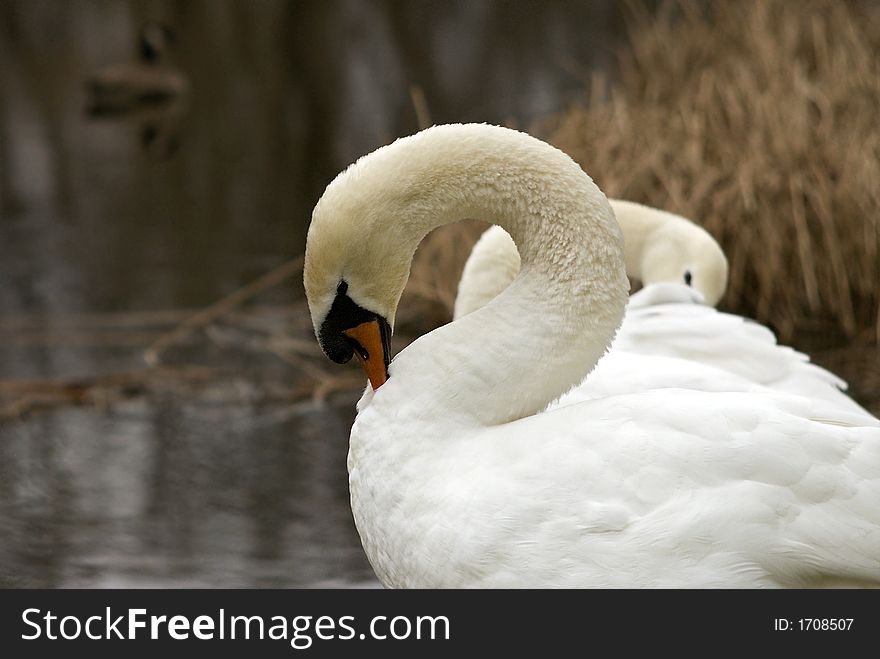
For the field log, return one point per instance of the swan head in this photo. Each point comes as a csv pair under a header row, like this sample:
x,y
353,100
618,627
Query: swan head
x,y
357,260
688,255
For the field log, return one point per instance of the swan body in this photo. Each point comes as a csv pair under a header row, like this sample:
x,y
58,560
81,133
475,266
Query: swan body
x,y
461,476
658,247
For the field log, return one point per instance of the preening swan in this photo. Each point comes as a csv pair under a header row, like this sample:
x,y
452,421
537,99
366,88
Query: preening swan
x,y
458,479
658,247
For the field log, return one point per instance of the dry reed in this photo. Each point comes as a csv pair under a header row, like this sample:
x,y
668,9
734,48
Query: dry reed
x,y
760,120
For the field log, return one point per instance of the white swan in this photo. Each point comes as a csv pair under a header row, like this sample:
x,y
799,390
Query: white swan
x,y
457,480
658,247
665,251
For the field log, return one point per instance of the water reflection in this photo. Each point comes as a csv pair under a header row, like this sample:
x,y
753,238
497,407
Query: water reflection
x,y
172,205
170,493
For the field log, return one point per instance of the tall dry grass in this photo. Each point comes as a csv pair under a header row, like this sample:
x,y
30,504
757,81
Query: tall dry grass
x,y
761,121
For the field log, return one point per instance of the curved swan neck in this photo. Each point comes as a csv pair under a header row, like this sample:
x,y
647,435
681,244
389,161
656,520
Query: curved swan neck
x,y
556,320
559,317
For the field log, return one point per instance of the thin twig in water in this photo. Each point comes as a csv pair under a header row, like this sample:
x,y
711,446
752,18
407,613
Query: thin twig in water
x,y
113,320
221,307
30,395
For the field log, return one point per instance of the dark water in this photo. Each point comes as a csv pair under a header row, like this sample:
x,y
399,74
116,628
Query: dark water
x,y
175,493
173,205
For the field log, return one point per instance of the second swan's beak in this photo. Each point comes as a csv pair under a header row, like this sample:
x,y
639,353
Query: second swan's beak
x,y
371,351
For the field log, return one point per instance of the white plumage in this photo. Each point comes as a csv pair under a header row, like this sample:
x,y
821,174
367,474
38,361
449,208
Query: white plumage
x,y
684,344
659,247
459,479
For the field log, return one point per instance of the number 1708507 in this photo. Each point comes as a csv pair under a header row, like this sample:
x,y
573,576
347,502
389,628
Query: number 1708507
x,y
813,624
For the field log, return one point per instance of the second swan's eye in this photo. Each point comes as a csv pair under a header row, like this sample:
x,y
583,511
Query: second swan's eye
x,y
688,277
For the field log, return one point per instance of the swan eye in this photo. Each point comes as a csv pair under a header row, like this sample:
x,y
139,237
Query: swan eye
x,y
688,277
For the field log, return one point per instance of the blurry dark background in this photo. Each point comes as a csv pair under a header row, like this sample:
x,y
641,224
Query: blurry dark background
x,y
283,95
165,417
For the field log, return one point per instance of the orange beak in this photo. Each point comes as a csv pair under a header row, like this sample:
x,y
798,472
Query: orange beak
x,y
370,351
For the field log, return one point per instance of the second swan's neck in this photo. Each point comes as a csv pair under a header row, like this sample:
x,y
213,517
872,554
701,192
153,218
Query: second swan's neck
x,y
550,327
